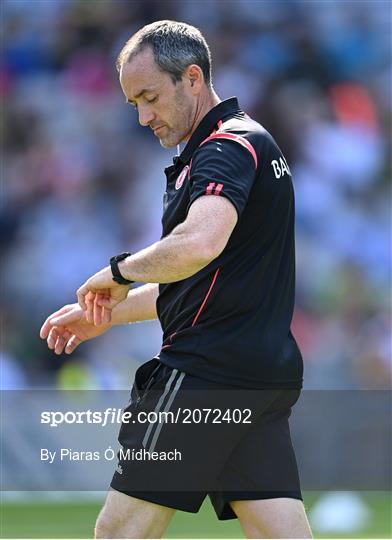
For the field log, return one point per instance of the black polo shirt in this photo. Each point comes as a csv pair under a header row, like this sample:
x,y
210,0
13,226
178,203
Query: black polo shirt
x,y
230,322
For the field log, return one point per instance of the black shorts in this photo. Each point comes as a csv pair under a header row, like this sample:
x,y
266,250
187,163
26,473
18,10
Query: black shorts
x,y
186,438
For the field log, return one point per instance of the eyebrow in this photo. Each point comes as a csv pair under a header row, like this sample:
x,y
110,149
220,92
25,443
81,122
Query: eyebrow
x,y
138,95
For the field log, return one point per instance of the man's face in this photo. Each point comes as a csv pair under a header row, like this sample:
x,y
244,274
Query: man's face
x,y
167,108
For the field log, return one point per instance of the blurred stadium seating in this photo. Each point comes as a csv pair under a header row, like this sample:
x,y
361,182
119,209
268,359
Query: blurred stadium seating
x,y
75,188
314,73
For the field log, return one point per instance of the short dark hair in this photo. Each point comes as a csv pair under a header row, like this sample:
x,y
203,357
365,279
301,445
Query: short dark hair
x,y
175,46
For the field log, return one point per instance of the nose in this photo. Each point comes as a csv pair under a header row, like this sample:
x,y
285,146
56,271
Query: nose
x,y
146,116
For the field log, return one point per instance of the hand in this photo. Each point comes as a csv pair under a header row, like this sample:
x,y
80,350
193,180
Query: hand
x,y
68,327
99,295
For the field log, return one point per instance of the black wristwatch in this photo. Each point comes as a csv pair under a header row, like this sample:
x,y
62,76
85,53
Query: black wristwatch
x,y
117,277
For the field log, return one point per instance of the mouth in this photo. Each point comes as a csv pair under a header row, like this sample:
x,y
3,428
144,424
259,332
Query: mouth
x,y
156,130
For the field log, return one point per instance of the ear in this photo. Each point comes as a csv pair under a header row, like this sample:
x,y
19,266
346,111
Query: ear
x,y
194,78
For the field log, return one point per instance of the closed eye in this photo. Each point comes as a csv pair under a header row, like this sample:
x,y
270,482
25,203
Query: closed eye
x,y
152,100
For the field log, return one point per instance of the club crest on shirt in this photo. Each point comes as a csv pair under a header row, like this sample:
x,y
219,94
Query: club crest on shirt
x,y
181,177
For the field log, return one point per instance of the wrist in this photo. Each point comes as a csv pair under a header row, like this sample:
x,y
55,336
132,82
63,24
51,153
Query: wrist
x,y
120,313
117,269
123,268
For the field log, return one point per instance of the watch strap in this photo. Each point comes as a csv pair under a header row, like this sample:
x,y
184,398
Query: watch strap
x,y
117,277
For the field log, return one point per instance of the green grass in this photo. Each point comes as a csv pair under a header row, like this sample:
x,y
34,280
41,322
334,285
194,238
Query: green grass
x,y
76,520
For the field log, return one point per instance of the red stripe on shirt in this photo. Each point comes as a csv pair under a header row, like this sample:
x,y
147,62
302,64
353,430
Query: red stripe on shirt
x,y
210,187
206,297
237,138
218,189
170,338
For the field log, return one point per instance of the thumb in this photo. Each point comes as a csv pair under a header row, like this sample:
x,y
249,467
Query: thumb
x,y
47,326
63,320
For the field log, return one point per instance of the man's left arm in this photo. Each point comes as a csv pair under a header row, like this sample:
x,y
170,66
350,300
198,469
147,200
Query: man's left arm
x,y
191,246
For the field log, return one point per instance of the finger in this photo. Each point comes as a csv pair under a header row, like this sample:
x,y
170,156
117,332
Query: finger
x,y
97,315
66,335
46,327
52,338
65,318
73,342
106,301
90,300
115,295
106,315
60,343
81,294
104,296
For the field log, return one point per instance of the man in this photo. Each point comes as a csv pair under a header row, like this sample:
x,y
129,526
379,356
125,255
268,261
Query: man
x,y
225,269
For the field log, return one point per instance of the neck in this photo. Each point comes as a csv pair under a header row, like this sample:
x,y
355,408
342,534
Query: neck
x,y
206,102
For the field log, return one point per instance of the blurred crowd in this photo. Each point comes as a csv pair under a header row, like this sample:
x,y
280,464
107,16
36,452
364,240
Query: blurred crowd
x,y
83,181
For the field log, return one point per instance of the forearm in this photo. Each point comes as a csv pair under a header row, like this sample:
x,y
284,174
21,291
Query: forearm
x,y
140,305
191,246
175,257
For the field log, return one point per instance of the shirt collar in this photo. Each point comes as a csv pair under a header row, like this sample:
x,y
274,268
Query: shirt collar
x,y
208,122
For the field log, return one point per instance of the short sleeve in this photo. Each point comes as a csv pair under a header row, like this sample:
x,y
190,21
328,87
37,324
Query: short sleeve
x,y
224,167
